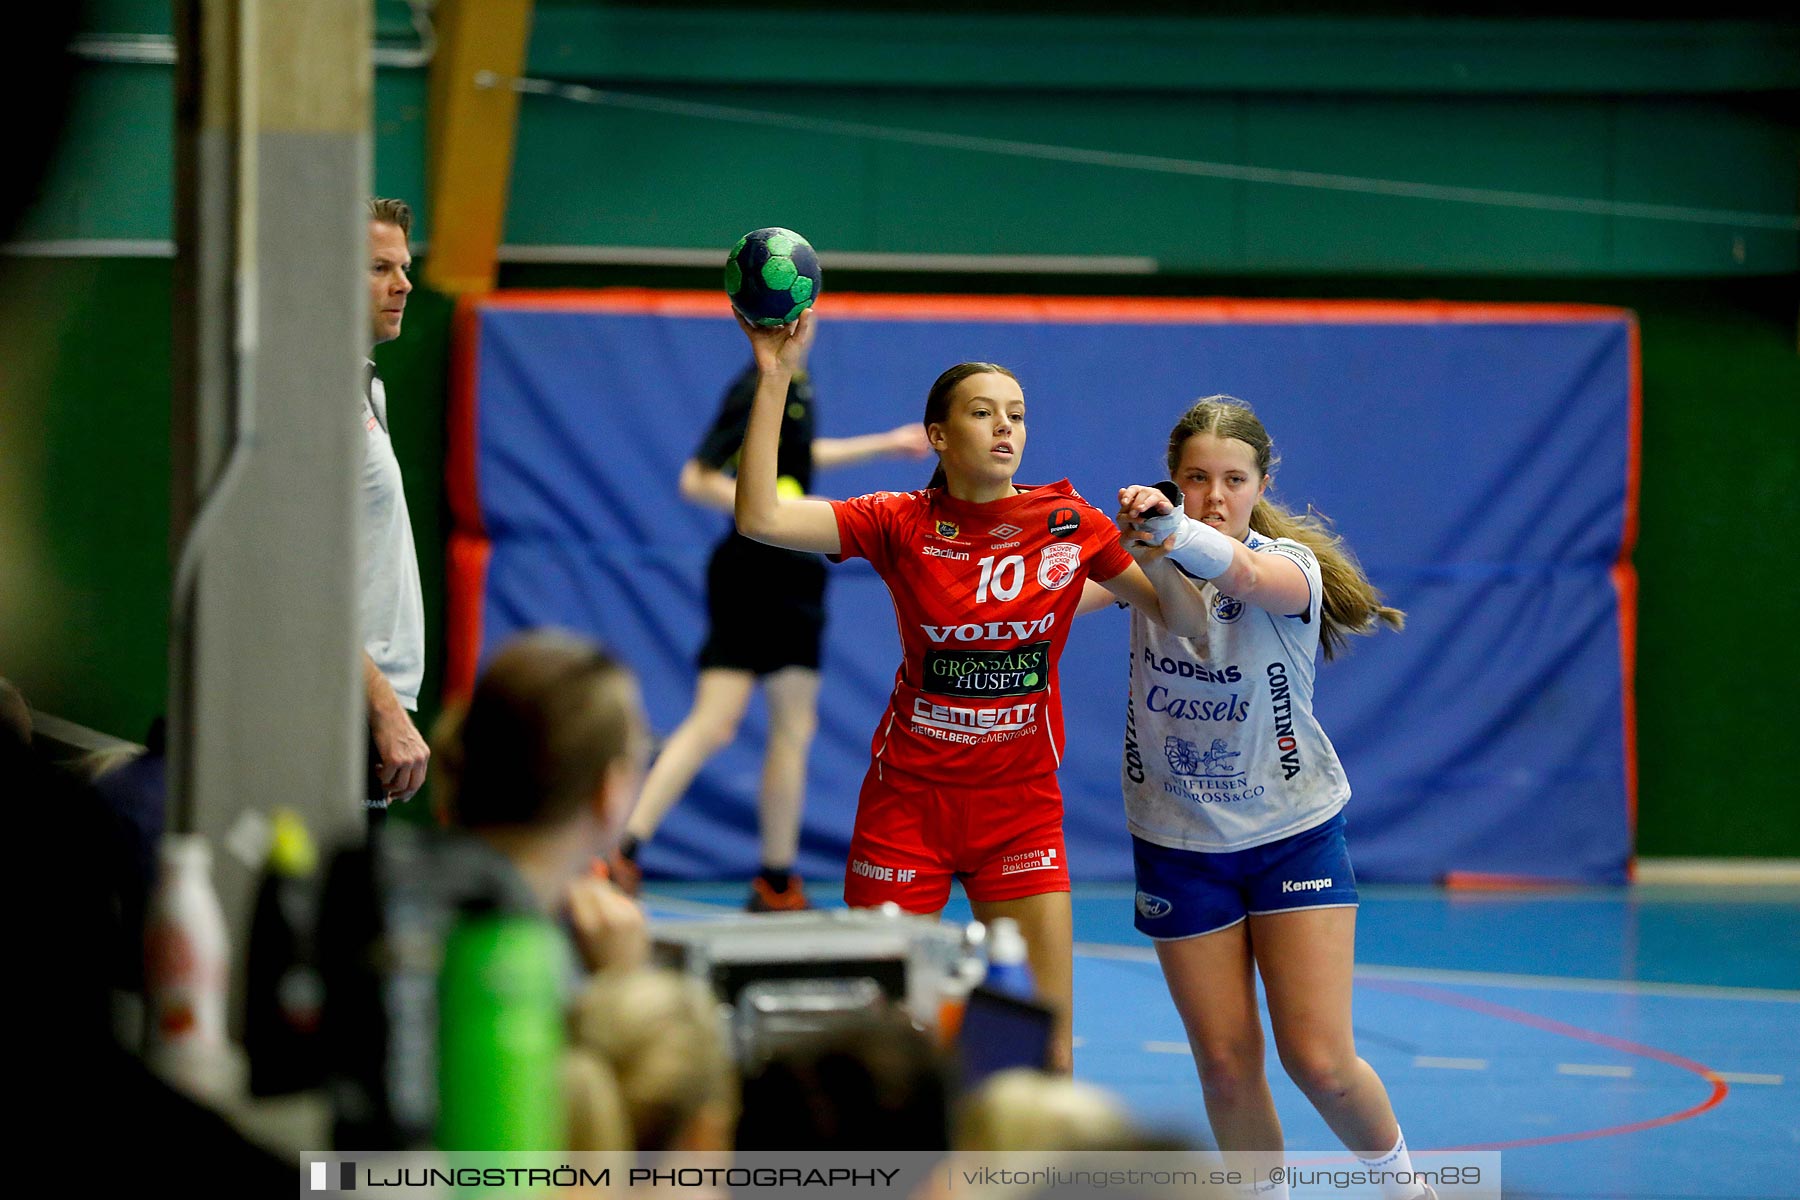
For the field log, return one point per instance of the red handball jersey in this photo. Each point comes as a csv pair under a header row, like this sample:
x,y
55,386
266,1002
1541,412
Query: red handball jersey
x,y
984,595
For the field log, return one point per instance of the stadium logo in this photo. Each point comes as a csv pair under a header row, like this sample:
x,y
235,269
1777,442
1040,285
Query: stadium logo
x,y
1057,566
1007,530
1064,521
940,552
1151,907
948,529
1227,609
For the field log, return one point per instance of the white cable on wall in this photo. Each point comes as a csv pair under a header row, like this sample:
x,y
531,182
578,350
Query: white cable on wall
x,y
1160,164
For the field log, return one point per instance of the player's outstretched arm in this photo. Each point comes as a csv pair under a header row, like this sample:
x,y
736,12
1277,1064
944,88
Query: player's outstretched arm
x,y
1165,595
762,515
902,441
707,487
1150,525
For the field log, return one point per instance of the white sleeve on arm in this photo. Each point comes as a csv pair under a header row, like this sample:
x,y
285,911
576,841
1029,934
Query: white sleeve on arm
x,y
1200,550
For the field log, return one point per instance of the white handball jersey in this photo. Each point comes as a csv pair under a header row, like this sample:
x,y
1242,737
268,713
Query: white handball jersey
x,y
1221,748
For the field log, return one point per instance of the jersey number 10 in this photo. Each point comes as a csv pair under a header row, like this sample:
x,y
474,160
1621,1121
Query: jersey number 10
x,y
996,577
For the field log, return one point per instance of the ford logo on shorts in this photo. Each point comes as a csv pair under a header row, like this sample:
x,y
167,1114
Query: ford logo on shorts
x,y
1151,907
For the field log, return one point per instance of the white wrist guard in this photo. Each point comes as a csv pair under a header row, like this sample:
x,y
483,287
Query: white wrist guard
x,y
1200,550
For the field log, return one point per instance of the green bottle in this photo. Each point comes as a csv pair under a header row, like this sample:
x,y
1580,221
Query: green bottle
x,y
500,1034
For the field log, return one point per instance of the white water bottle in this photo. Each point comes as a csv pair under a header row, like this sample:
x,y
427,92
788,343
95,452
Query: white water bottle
x,y
186,969
1009,970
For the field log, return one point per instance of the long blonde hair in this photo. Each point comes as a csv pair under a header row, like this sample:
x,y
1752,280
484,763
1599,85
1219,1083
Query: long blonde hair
x,y
1351,605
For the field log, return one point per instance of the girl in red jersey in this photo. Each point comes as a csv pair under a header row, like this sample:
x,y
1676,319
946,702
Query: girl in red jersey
x,y
986,577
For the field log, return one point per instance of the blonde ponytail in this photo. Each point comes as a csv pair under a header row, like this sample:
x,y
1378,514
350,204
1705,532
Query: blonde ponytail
x,y
1351,604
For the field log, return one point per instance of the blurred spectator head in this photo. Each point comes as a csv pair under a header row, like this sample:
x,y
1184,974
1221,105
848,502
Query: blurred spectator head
x,y
649,1068
882,1086
1030,1110
553,736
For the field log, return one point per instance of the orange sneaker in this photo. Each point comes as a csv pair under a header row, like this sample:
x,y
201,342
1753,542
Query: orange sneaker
x,y
764,898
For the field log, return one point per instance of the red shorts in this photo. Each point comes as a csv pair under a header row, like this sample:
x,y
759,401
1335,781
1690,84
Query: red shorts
x,y
913,834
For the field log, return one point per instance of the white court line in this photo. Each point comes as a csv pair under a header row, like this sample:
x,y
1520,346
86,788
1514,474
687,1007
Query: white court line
x,y
1606,1070
1748,1077
1552,983
1450,1064
1166,1047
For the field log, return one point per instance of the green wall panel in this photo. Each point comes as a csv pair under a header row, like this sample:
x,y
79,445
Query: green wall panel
x,y
1121,49
591,174
113,177
957,201
1446,102
84,381
1502,144
1707,153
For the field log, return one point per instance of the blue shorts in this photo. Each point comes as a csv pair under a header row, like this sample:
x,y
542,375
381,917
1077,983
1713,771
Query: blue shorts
x,y
1185,893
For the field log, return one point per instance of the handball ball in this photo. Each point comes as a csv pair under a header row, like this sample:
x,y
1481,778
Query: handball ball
x,y
772,276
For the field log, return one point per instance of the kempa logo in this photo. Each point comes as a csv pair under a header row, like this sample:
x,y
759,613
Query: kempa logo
x,y
1305,885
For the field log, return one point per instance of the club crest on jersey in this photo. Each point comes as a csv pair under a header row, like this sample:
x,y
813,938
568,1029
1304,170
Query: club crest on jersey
x,y
1064,521
1227,609
1057,565
948,529
1151,907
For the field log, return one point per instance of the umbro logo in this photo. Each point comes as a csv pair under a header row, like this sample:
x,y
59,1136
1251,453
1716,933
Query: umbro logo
x,y
1005,531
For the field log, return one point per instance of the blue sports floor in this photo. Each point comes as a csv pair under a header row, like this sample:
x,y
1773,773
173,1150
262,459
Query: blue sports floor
x,y
1640,1043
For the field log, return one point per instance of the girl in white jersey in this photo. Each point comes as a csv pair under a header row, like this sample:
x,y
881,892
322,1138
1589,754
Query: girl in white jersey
x,y
1233,795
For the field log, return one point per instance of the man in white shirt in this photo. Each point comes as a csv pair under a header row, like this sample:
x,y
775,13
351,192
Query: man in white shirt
x,y
391,604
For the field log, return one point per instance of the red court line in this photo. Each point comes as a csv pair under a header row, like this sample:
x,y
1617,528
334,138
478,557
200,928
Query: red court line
x,y
1066,309
1520,1017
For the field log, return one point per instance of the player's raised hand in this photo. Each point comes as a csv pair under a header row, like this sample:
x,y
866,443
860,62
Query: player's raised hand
x,y
1137,505
782,347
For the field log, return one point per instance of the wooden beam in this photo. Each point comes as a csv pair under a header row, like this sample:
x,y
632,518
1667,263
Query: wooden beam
x,y
469,140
